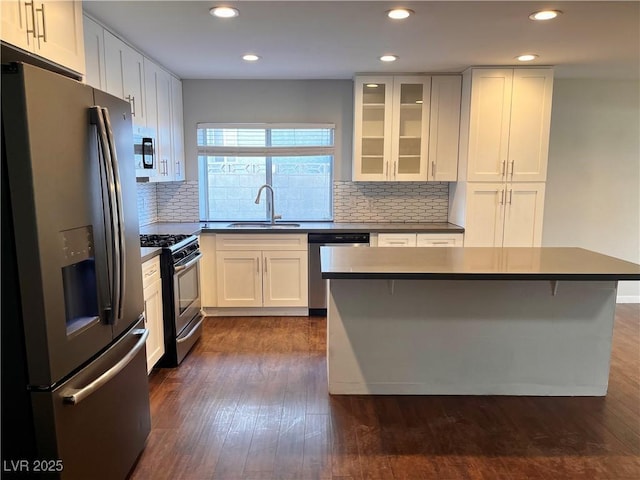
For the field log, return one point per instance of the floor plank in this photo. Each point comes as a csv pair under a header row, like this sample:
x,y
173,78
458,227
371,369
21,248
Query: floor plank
x,y
250,402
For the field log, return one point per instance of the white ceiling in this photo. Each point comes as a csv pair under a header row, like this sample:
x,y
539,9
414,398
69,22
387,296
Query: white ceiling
x,y
333,40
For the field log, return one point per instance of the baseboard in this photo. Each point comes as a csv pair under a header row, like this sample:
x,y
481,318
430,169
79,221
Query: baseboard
x,y
257,312
628,299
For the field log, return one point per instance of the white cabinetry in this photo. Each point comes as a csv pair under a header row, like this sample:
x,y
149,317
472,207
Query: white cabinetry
x,y
94,54
420,239
51,30
504,215
124,69
406,128
261,270
153,311
158,100
506,121
504,142
177,129
208,291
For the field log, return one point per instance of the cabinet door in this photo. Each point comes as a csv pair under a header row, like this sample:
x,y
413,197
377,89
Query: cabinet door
x,y
530,124
489,124
164,147
444,127
410,136
59,33
151,95
154,323
208,296
396,239
524,205
94,54
239,278
177,129
124,68
372,128
485,215
285,279
17,24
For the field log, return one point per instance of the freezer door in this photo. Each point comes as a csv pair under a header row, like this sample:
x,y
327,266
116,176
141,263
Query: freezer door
x,y
97,422
56,186
119,120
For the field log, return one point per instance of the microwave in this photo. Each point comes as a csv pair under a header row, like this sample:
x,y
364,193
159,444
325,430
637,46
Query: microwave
x,y
144,154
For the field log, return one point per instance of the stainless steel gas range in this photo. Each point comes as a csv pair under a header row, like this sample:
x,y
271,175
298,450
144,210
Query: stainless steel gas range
x,y
180,271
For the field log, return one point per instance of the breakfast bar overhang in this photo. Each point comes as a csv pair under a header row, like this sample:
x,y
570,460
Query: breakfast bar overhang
x,y
470,321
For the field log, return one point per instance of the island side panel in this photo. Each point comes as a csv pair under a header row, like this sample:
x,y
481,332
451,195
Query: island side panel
x,y
466,337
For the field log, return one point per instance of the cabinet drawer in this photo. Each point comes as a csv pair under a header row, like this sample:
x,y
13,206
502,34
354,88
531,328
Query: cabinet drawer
x,y
440,240
261,242
396,239
150,271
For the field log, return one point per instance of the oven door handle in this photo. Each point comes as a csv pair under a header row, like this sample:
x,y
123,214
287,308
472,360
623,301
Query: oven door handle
x,y
180,268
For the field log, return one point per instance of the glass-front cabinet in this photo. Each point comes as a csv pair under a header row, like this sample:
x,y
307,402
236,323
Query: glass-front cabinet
x,y
391,125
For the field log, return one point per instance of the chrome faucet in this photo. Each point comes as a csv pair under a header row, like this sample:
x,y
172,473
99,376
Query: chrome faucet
x,y
272,206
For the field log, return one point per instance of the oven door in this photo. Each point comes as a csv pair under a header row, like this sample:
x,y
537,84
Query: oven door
x,y
186,291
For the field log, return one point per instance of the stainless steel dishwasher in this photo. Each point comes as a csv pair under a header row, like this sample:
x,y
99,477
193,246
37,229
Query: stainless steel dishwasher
x,y
318,286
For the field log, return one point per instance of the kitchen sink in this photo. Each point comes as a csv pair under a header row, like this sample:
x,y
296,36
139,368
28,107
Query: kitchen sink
x,y
263,225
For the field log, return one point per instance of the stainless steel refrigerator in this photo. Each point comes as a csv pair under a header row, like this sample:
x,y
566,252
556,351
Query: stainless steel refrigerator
x,y
75,398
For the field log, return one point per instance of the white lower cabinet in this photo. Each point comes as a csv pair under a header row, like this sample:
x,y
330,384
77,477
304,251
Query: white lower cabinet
x,y
420,239
261,270
152,285
504,215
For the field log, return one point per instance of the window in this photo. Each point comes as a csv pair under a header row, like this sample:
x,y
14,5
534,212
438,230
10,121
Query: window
x,y
236,159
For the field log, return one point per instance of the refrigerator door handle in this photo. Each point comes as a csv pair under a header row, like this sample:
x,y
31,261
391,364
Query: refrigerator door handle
x,y
98,120
75,396
119,214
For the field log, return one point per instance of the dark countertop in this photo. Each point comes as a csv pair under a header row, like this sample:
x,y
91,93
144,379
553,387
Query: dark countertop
x,y
195,228
329,227
474,263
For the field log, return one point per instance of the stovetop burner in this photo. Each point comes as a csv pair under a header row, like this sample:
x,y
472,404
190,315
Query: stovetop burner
x,y
161,240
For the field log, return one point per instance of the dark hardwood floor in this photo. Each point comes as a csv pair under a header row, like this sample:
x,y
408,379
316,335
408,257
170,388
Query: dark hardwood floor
x,y
251,402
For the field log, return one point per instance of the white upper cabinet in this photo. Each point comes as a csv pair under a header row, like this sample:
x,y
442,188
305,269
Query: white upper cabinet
x,y
94,54
124,69
177,129
51,29
506,125
444,127
406,128
391,127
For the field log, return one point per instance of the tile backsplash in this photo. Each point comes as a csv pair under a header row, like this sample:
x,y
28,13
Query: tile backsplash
x,y
372,202
389,202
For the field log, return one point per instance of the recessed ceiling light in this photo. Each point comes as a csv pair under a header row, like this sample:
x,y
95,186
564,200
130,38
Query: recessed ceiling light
x,y
399,13
389,58
224,12
372,85
250,57
527,57
545,15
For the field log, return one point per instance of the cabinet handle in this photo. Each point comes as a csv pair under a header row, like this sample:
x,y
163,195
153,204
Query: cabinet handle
x,y
44,27
395,166
265,264
512,165
257,265
502,195
433,170
132,101
444,242
504,162
32,30
510,195
178,168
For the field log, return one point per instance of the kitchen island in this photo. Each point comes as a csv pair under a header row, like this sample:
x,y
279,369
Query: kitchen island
x,y
470,321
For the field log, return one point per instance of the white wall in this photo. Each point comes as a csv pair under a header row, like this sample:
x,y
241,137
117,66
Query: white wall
x,y
593,181
247,101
